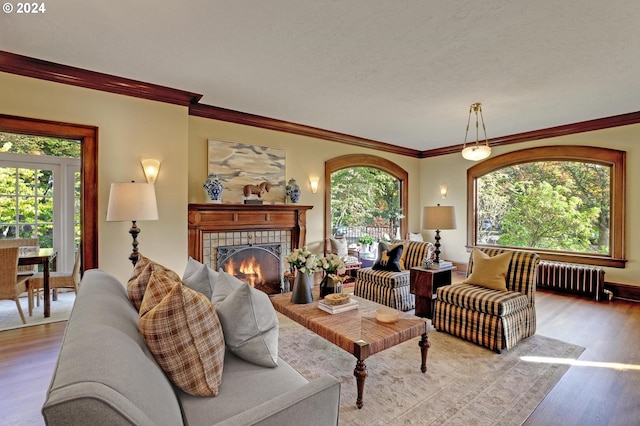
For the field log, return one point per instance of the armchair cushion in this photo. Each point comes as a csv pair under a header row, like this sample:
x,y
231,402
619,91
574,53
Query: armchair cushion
x,y
489,272
483,299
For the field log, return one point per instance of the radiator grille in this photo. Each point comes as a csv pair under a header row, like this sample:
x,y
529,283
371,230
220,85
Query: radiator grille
x,y
579,279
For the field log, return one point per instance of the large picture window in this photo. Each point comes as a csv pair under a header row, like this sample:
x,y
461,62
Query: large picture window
x,y
566,203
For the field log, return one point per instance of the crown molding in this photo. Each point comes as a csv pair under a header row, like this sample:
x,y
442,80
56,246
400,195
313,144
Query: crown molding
x,y
51,71
222,114
549,132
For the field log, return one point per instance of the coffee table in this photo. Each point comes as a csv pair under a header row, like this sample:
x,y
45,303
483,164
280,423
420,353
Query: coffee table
x,y
356,331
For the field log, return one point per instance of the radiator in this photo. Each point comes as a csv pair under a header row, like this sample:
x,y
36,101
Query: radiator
x,y
578,279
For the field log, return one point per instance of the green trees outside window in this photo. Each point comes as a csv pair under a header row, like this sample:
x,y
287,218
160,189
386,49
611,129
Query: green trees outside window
x,y
366,198
27,185
554,205
567,203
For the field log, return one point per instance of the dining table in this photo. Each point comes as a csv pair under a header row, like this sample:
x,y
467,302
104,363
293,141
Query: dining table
x,y
44,257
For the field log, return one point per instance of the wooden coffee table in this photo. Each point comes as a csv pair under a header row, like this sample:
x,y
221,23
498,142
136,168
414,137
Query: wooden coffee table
x,y
356,331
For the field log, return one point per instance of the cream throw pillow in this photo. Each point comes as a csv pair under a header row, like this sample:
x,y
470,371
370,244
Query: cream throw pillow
x,y
184,334
340,247
489,272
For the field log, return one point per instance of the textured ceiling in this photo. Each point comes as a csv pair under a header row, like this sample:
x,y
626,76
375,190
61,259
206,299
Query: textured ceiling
x,y
401,72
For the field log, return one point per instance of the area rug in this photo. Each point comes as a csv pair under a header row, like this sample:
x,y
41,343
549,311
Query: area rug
x,y
465,384
60,311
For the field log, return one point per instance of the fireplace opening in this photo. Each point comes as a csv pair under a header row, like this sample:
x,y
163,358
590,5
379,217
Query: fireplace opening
x,y
259,265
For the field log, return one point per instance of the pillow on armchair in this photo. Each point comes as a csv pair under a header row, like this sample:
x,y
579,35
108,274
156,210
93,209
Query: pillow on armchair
x,y
340,247
389,257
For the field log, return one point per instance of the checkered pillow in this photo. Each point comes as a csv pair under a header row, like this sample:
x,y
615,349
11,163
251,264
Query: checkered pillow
x,y
140,278
184,335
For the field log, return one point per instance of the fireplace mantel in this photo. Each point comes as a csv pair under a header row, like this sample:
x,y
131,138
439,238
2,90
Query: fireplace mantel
x,y
204,218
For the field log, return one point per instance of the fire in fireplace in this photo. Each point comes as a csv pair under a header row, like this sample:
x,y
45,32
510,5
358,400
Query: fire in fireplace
x,y
259,265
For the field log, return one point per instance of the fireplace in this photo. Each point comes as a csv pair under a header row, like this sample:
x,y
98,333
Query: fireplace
x,y
259,265
222,230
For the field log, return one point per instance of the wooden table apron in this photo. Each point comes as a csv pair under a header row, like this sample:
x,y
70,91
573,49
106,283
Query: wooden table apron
x,y
44,258
356,331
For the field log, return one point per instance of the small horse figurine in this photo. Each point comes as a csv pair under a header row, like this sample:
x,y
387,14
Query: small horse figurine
x,y
256,189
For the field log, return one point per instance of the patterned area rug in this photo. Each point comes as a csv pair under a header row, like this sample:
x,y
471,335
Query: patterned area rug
x,y
60,311
465,384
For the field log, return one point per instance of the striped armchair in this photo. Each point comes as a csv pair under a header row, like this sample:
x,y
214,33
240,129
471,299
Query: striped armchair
x,y
491,318
392,288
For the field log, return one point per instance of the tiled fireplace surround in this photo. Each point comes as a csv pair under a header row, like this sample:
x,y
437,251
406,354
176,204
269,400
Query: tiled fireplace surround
x,y
215,225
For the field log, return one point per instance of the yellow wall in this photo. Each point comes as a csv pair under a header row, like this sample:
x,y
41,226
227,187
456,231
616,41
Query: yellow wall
x,y
305,157
130,128
438,171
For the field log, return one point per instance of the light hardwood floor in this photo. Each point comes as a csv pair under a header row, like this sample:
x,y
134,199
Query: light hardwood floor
x,y
598,394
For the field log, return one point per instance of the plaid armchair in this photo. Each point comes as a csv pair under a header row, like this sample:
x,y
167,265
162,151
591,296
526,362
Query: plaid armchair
x,y
491,318
392,288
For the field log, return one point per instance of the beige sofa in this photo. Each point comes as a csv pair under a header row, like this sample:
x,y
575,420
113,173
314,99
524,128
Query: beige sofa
x,y
106,375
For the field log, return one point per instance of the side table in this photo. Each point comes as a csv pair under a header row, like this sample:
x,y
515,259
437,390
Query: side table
x,y
424,283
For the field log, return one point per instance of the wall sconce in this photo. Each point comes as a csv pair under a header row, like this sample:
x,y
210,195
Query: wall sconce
x,y
443,191
151,168
314,183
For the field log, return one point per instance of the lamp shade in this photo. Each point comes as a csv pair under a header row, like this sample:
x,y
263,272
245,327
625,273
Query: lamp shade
x,y
439,217
132,201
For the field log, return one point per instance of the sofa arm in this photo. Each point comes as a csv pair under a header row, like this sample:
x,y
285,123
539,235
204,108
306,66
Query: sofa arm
x,y
316,403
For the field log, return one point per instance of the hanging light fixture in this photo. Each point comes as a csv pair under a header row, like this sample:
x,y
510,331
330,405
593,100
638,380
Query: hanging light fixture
x,y
476,152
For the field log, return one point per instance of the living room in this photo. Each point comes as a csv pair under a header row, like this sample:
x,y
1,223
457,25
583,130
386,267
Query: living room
x,y
131,127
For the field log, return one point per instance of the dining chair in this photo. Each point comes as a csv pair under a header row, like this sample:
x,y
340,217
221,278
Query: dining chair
x,y
56,280
22,242
11,285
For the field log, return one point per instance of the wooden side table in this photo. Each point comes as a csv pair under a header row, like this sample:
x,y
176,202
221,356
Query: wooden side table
x,y
424,283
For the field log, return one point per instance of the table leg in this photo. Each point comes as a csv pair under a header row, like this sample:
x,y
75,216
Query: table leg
x,y
424,344
47,296
361,373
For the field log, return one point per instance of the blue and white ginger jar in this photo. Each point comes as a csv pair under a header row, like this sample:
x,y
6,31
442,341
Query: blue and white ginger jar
x,y
293,191
213,188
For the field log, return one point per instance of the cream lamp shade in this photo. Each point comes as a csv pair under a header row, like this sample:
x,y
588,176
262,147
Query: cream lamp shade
x,y
132,201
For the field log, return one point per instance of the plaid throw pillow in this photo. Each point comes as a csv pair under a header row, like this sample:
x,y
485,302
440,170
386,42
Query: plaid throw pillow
x,y
184,335
137,284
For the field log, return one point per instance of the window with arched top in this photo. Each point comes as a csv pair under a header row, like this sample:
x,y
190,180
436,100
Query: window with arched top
x,y
401,184
567,203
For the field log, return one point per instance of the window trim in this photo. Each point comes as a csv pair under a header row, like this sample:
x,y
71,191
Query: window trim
x,y
609,157
366,160
88,135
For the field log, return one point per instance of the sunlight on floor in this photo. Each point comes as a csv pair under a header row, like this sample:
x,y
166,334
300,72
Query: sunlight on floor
x,y
572,362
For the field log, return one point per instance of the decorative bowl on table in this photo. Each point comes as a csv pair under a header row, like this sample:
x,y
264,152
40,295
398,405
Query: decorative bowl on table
x,y
337,299
387,315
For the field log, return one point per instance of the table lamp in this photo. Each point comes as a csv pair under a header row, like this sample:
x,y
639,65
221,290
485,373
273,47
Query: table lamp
x,y
438,218
132,201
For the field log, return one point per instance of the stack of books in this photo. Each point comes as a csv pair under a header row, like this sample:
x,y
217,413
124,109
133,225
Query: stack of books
x,y
444,264
336,309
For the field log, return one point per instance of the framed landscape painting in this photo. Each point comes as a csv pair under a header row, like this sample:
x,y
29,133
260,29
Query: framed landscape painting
x,y
238,164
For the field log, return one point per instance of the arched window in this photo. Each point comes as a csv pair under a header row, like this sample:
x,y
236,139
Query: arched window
x,y
564,202
372,161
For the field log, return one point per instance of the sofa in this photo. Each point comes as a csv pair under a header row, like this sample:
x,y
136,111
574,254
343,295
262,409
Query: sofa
x,y
388,284
495,305
106,375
